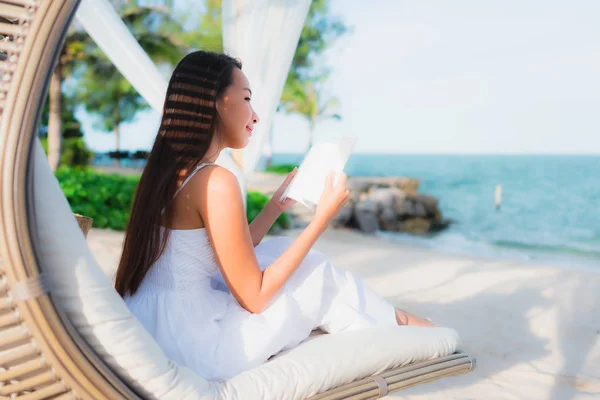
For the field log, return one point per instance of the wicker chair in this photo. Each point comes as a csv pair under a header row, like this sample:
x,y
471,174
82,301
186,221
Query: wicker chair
x,y
43,354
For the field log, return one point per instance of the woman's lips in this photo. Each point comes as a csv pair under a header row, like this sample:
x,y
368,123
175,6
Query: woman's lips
x,y
249,130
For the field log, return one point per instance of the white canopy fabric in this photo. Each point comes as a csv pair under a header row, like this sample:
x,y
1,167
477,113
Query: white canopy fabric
x,y
110,33
264,35
105,27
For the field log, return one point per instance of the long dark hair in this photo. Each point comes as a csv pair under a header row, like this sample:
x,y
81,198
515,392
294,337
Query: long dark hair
x,y
188,125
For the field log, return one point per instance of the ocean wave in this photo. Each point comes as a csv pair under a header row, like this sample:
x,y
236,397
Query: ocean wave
x,y
543,248
463,182
458,243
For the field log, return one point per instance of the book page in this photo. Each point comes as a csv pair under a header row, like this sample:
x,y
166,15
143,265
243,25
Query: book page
x,y
323,157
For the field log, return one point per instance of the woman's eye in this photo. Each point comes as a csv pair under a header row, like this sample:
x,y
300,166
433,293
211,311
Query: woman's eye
x,y
247,99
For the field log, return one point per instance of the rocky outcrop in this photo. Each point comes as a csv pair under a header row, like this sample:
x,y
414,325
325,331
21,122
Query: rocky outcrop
x,y
390,204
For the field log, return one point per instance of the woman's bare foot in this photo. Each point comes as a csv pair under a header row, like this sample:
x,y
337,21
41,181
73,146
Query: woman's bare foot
x,y
405,318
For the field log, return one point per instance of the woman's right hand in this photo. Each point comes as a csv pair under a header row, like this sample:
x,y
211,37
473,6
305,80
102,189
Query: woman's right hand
x,y
332,199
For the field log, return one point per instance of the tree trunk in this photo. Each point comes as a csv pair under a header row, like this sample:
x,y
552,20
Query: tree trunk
x,y
117,146
54,120
117,122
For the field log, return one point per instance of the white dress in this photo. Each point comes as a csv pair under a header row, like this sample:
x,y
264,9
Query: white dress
x,y
185,305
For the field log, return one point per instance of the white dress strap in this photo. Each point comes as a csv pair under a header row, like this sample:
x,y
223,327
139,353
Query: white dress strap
x,y
190,177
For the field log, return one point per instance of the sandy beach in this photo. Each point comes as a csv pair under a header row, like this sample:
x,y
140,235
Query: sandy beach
x,y
534,329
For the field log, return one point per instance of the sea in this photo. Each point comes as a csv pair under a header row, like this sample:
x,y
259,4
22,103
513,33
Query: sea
x,y
549,213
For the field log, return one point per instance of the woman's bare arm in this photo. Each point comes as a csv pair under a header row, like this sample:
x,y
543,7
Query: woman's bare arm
x,y
220,204
262,223
272,210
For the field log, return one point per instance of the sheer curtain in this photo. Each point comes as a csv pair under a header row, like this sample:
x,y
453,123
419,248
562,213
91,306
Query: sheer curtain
x,y
264,35
105,27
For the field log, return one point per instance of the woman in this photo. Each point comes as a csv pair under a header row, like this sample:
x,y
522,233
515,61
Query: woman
x,y
188,226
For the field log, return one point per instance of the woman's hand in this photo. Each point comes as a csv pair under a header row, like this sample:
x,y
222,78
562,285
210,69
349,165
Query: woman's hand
x,y
332,199
267,217
278,205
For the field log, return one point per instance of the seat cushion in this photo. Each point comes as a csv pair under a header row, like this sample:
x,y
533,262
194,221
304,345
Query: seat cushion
x,y
91,303
99,314
326,361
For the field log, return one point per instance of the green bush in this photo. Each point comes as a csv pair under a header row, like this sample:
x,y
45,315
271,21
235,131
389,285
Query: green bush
x,y
281,168
74,153
107,198
256,201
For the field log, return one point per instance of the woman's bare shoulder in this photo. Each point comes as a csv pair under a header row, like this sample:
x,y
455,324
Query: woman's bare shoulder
x,y
212,186
214,179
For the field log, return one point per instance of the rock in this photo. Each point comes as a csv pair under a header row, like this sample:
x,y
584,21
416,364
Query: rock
x,y
403,207
390,203
388,220
408,185
355,197
417,226
439,225
365,215
385,197
301,213
298,223
359,184
408,208
419,210
344,216
429,202
363,183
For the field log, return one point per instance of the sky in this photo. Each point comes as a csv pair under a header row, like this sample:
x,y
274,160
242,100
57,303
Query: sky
x,y
464,77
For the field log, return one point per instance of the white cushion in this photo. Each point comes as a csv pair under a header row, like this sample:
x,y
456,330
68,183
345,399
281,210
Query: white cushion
x,y
93,305
102,318
327,361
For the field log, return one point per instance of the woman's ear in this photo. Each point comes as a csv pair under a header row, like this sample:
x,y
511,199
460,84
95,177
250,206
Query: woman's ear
x,y
222,102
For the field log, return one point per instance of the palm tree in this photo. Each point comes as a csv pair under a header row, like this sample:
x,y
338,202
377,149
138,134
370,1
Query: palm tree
x,y
72,54
104,92
75,55
307,99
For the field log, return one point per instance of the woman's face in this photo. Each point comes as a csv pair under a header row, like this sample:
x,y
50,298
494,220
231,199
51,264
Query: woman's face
x,y
236,115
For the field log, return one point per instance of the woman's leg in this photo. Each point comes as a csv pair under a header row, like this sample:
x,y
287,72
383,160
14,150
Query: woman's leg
x,y
334,297
405,318
357,295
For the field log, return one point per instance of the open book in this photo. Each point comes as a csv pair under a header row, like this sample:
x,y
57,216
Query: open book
x,y
322,158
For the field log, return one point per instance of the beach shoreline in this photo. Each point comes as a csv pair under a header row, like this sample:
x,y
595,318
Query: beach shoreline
x,y
575,263
534,329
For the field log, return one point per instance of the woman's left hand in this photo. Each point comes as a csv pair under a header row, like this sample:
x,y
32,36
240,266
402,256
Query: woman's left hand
x,y
287,203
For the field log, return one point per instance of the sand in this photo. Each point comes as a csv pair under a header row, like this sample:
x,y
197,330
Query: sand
x,y
534,329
